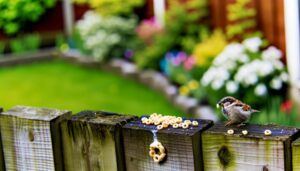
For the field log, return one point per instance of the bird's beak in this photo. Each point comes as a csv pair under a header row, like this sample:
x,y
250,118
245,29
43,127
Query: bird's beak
x,y
218,105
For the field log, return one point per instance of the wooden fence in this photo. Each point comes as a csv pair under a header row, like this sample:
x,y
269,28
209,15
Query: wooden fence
x,y
50,139
269,18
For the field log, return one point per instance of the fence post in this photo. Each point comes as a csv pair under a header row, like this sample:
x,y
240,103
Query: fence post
x,y
183,146
254,151
31,138
2,164
296,154
92,140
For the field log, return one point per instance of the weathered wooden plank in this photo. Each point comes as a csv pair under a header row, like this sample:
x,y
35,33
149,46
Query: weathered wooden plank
x,y
92,140
296,154
183,147
31,138
2,164
254,151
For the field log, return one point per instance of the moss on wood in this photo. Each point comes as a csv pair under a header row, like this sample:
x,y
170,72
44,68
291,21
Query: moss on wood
x,y
254,151
92,141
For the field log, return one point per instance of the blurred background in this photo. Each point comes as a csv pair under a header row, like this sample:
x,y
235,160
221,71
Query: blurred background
x,y
209,49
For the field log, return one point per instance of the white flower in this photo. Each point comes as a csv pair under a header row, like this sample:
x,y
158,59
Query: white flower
x,y
246,74
252,44
244,58
271,53
284,76
208,76
264,68
278,64
260,90
252,79
217,84
276,83
233,50
215,75
229,65
232,87
220,59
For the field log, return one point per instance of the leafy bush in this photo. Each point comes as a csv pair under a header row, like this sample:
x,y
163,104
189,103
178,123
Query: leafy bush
x,y
105,37
184,26
242,20
26,43
15,14
113,7
246,72
2,48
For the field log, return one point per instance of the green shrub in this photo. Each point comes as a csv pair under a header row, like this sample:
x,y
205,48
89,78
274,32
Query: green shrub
x,y
113,7
2,48
15,14
26,43
105,37
242,20
32,42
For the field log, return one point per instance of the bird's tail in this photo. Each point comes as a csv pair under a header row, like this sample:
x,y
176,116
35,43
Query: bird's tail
x,y
254,110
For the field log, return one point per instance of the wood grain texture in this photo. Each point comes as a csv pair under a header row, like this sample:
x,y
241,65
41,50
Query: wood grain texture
x,y
29,142
280,26
92,140
183,147
296,154
2,164
254,151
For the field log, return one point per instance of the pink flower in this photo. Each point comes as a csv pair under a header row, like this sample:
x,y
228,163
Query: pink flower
x,y
189,63
147,29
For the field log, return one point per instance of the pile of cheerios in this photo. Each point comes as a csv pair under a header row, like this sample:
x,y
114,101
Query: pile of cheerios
x,y
165,121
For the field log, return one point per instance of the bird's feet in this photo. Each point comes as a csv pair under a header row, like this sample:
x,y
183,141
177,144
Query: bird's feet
x,y
240,125
228,123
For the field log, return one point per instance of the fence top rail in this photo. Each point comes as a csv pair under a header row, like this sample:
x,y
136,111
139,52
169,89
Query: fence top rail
x,y
280,133
101,117
26,112
138,125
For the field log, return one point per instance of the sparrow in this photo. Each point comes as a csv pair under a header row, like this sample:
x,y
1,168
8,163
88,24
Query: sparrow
x,y
235,111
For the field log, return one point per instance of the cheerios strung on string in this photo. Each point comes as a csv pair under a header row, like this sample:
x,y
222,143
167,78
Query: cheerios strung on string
x,y
157,151
162,122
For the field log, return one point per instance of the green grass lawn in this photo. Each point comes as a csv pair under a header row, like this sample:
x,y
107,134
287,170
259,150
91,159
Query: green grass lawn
x,y
58,84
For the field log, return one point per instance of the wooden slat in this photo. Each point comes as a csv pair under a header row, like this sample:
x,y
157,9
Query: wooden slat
x,y
280,26
183,147
31,138
92,140
267,17
217,11
254,151
296,154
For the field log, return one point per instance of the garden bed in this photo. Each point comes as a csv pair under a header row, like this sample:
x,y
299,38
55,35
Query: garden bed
x,y
29,57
